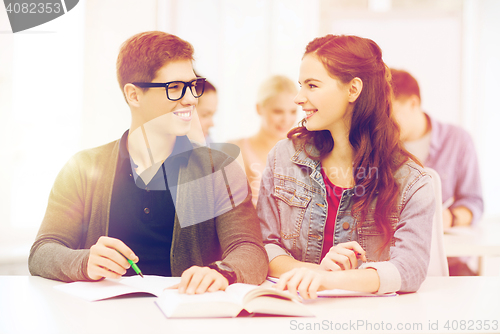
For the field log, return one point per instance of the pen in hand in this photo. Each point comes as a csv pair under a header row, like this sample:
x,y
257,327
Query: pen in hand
x,y
133,265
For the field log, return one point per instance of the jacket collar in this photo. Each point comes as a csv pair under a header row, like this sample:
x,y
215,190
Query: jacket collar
x,y
300,157
181,152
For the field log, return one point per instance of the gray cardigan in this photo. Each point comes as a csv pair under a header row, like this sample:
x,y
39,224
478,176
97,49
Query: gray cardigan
x,y
78,214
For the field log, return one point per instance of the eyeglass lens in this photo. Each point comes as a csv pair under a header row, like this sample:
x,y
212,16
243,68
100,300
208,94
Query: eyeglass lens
x,y
177,89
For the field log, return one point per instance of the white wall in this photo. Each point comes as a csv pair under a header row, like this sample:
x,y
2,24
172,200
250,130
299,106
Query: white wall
x,y
41,84
481,91
405,43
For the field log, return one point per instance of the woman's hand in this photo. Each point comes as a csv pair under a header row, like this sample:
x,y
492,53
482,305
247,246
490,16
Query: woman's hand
x,y
344,256
106,262
305,281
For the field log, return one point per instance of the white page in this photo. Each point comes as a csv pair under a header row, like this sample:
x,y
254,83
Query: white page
x,y
238,291
349,293
208,304
226,303
207,297
234,293
153,284
108,288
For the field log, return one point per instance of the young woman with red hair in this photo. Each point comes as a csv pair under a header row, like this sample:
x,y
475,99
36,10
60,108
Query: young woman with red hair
x,y
342,204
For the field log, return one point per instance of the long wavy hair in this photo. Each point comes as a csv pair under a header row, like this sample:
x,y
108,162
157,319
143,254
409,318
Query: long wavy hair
x,y
374,133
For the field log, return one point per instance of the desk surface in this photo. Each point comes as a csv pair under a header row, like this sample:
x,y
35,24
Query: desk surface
x,y
32,305
480,240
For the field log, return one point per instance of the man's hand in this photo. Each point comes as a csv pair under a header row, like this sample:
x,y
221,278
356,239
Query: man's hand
x,y
457,216
196,280
105,261
344,256
447,219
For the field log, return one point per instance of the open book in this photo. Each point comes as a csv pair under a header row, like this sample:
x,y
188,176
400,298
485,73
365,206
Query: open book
x,y
109,288
237,299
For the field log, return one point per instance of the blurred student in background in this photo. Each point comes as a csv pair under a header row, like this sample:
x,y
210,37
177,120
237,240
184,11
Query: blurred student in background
x,y
278,114
445,148
207,106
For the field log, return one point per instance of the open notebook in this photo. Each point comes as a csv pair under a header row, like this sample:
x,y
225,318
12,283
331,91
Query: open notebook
x,y
338,293
109,288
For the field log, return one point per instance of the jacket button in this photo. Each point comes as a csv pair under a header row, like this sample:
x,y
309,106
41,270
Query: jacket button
x,y
146,210
345,226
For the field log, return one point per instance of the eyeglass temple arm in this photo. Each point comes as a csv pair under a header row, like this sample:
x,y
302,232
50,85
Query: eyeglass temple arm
x,y
149,84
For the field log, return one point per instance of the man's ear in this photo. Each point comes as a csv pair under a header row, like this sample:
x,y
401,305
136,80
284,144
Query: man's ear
x,y
414,101
355,88
132,94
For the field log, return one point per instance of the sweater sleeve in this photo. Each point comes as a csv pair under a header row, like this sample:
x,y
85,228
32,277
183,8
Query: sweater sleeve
x,y
238,229
77,215
468,192
55,252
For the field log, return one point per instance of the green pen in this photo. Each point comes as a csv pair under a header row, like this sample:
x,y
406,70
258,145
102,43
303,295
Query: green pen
x,y
133,265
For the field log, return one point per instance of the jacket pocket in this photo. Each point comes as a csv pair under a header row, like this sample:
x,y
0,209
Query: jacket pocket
x,y
371,238
292,206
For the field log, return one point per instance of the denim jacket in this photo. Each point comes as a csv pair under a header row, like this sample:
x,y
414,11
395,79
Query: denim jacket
x,y
292,208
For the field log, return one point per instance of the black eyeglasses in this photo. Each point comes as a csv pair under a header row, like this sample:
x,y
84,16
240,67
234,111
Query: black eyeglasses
x,y
176,89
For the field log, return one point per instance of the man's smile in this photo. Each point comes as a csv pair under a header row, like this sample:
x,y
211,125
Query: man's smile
x,y
184,114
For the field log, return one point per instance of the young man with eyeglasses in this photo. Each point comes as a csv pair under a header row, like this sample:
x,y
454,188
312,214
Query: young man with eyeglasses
x,y
182,209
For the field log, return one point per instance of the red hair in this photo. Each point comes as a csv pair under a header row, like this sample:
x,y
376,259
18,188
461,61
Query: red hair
x,y
404,84
142,55
374,134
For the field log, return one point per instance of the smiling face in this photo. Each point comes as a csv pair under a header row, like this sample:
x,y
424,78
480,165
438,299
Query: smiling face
x,y
278,114
154,103
325,100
